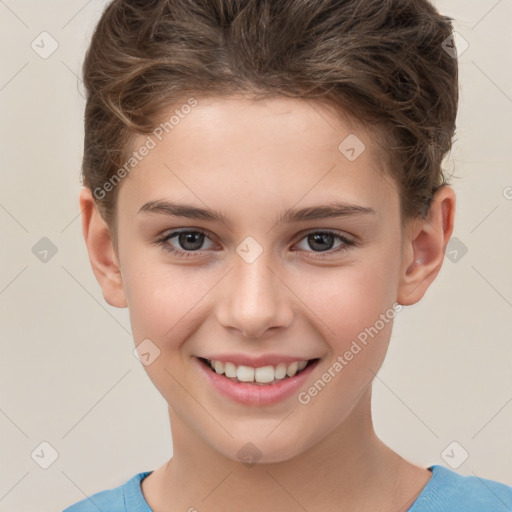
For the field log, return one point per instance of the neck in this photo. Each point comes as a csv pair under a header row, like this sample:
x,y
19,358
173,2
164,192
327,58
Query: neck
x,y
350,469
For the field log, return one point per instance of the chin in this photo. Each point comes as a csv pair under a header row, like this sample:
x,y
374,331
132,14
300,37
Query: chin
x,y
261,451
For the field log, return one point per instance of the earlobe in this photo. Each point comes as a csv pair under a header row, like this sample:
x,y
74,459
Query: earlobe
x,y
101,252
424,247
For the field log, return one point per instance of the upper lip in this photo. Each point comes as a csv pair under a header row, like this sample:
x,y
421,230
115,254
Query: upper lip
x,y
256,361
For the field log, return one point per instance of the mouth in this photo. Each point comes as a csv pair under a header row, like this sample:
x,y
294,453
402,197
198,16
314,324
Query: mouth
x,y
262,376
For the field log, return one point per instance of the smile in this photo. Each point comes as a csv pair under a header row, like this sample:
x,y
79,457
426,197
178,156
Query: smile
x,y
263,375
242,384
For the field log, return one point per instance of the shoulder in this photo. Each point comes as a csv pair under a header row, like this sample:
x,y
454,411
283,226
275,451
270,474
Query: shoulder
x,y
124,498
447,491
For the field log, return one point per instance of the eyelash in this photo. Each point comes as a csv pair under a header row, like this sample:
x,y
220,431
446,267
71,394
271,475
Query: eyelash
x,y
347,243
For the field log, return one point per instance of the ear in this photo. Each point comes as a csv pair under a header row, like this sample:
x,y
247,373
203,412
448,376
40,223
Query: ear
x,y
424,246
100,247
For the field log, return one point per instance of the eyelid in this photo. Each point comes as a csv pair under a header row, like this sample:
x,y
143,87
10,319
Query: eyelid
x,y
347,242
173,233
351,238
336,232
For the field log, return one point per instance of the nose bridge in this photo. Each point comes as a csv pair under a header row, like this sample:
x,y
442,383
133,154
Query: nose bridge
x,y
254,299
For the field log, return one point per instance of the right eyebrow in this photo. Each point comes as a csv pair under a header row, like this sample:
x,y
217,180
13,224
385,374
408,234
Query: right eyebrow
x,y
329,211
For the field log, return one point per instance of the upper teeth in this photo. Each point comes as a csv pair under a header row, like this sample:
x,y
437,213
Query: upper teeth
x,y
263,374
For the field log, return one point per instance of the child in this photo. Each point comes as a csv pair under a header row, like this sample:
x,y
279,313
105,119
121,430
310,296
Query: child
x,y
255,130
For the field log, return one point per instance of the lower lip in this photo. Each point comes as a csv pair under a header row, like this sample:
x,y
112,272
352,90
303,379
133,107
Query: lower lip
x,y
253,394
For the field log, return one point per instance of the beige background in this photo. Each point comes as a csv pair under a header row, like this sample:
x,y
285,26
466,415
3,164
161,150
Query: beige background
x,y
68,375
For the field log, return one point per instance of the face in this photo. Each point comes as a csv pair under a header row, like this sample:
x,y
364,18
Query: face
x,y
277,280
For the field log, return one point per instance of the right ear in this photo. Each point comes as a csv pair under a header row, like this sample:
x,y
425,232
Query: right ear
x,y
101,251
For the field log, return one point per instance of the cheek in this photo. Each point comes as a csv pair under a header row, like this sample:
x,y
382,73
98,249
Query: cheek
x,y
349,299
355,309
165,300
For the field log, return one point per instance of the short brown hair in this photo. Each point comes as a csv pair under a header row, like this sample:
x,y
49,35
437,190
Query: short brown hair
x,y
380,61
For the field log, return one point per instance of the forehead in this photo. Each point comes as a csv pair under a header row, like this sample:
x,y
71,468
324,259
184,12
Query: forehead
x,y
272,152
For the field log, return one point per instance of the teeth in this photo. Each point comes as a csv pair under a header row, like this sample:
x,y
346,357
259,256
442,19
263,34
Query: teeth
x,y
261,375
292,369
264,374
302,365
218,366
280,371
230,369
245,373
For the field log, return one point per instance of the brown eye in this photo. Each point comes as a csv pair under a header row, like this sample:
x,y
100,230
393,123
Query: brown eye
x,y
194,238
187,242
323,241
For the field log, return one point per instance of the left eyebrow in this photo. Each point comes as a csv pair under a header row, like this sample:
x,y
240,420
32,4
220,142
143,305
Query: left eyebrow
x,y
328,211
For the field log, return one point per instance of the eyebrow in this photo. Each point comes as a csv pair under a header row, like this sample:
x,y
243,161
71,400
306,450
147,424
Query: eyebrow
x,y
328,211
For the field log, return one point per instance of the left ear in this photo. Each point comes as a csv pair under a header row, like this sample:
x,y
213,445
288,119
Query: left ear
x,y
424,246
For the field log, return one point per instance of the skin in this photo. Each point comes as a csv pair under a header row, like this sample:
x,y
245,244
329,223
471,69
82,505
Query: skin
x,y
252,160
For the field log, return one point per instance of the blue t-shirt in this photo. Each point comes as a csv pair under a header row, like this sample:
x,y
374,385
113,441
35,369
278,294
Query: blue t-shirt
x,y
446,491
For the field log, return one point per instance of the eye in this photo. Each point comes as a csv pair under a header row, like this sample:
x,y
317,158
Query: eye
x,y
323,241
190,241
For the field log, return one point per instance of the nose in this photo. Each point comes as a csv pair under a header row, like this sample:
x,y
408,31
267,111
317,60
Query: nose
x,y
255,300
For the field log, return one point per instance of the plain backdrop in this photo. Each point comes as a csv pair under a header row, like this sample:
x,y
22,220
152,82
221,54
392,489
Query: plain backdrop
x,y
73,396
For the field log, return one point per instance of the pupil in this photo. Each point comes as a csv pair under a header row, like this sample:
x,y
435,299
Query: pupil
x,y
185,238
318,238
